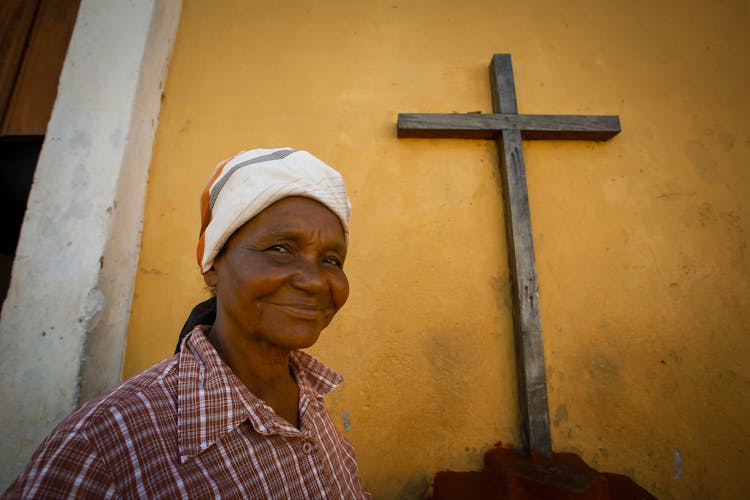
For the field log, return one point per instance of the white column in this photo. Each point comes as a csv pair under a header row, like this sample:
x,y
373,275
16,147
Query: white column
x,y
63,324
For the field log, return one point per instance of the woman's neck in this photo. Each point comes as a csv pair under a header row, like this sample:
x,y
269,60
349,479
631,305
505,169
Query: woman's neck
x,y
263,368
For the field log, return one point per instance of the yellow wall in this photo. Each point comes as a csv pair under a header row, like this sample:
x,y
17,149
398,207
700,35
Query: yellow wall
x,y
641,241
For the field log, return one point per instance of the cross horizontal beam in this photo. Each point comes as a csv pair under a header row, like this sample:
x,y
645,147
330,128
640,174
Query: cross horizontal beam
x,y
489,126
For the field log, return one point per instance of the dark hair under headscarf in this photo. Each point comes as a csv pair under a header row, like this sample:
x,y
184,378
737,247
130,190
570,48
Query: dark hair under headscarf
x,y
202,314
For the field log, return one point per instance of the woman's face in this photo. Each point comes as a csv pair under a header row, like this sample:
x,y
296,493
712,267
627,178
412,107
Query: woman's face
x,y
280,277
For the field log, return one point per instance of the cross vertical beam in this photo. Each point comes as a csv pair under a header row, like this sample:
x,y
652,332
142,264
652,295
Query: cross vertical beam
x,y
527,323
507,127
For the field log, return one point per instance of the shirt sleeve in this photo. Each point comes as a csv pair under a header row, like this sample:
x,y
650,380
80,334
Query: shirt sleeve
x,y
66,465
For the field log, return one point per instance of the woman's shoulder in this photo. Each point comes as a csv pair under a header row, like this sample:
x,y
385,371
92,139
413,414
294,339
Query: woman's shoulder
x,y
93,446
154,389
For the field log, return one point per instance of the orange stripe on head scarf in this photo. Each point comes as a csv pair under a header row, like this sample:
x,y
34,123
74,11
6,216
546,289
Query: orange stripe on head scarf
x,y
206,209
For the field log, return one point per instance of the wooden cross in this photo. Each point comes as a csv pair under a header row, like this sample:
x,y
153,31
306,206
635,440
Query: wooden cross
x,y
507,127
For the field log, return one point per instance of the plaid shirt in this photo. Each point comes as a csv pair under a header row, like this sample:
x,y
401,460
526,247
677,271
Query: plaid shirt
x,y
188,428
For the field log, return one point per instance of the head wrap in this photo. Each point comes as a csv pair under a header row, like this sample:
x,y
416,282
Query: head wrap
x,y
241,186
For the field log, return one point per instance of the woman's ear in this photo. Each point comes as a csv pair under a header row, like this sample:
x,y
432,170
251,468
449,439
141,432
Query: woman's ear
x,y
209,277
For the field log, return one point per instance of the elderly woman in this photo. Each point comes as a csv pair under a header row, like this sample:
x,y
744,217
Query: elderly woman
x,y
238,412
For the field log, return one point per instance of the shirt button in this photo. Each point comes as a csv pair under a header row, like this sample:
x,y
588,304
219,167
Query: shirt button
x,y
307,447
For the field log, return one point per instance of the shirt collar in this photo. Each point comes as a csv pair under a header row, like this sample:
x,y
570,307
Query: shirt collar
x,y
312,376
212,401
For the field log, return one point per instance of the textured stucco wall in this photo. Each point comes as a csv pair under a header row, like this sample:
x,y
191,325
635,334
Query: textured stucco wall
x,y
641,241
62,335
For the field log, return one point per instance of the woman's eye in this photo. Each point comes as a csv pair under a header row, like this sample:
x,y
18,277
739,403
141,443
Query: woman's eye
x,y
334,261
278,248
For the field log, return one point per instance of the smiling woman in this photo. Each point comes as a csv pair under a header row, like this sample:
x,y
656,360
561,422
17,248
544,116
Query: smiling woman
x,y
238,411
279,280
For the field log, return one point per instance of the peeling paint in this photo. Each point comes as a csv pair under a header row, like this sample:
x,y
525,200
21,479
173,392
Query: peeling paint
x,y
153,270
92,307
702,160
677,456
674,291
345,420
561,415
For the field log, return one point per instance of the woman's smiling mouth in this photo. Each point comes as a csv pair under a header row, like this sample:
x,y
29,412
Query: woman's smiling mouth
x,y
302,311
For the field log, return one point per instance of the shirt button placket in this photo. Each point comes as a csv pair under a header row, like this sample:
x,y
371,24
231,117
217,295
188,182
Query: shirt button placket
x,y
307,447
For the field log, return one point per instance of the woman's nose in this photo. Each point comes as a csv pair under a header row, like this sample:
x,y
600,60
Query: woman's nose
x,y
310,276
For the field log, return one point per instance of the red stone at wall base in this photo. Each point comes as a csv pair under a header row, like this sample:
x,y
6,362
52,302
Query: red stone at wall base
x,y
507,475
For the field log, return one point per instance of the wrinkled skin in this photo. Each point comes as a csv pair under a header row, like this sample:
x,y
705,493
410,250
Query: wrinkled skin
x,y
279,281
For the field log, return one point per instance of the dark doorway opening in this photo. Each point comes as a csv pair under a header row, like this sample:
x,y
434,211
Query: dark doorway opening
x,y
18,157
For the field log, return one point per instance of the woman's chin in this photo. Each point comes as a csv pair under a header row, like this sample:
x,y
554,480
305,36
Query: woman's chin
x,y
298,339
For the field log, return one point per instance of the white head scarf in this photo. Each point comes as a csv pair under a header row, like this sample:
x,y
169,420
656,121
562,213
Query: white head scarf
x,y
242,186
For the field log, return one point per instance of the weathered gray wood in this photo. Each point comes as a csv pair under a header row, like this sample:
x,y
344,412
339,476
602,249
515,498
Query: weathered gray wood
x,y
527,323
479,126
503,85
509,128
